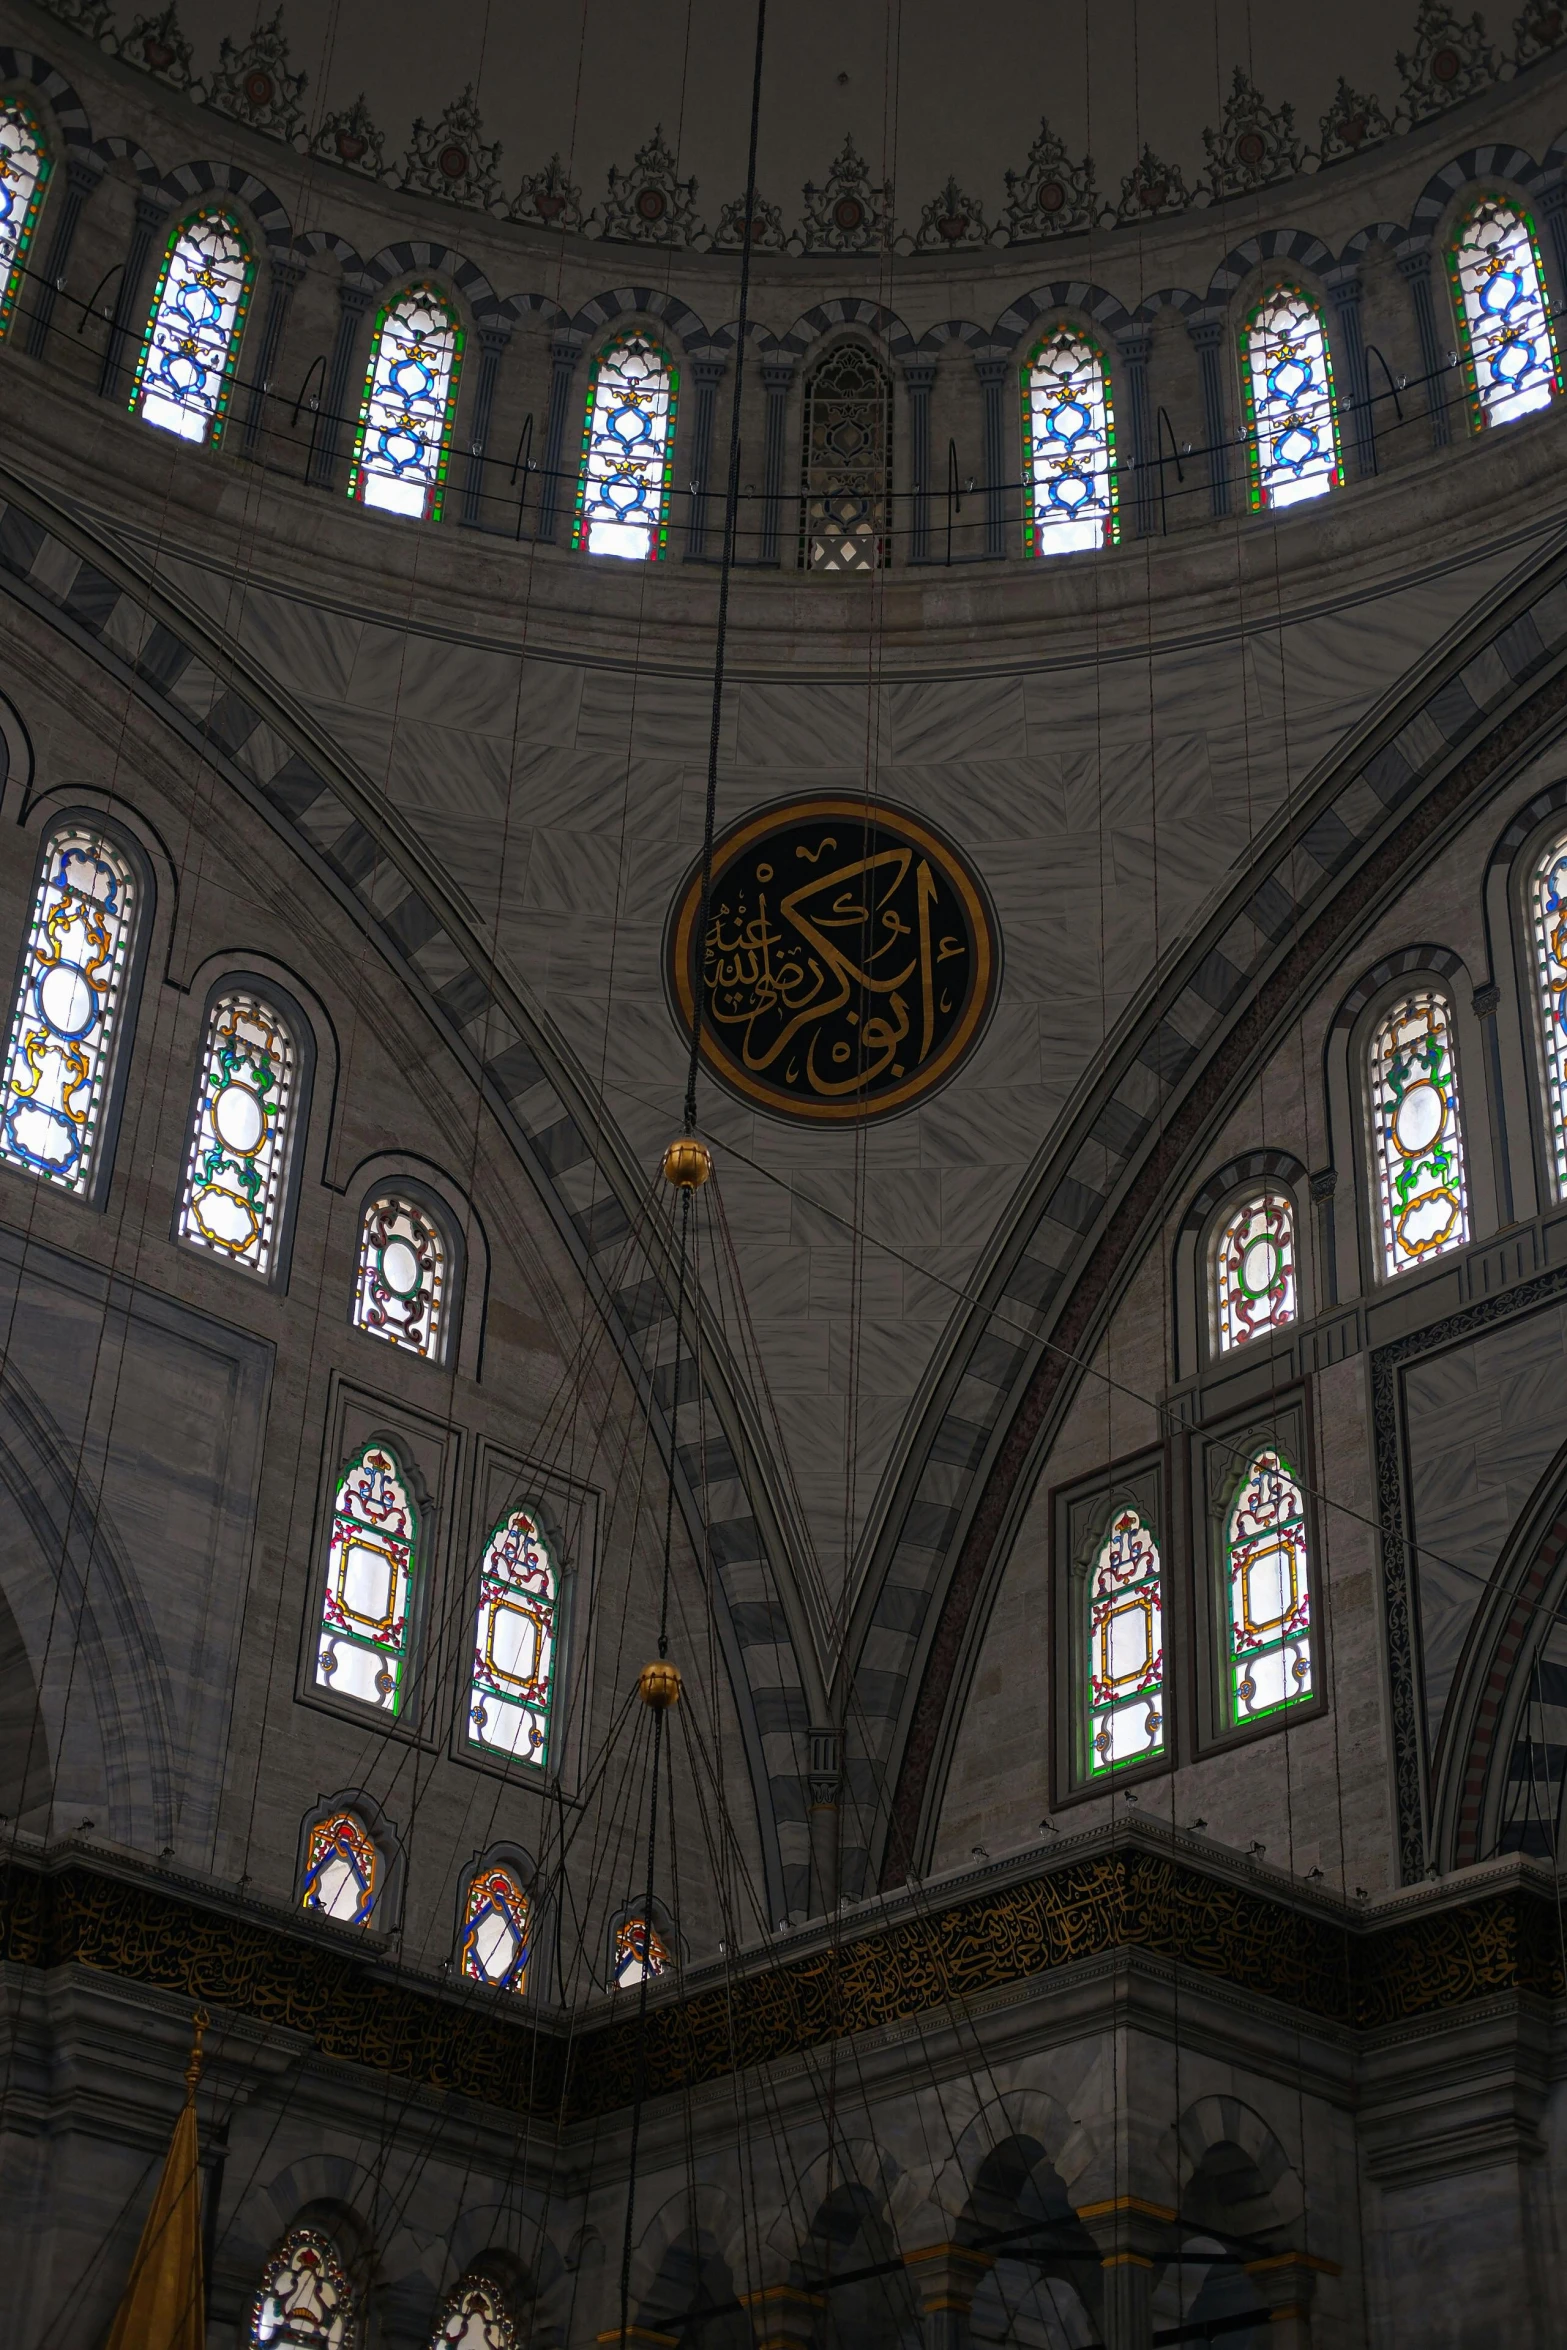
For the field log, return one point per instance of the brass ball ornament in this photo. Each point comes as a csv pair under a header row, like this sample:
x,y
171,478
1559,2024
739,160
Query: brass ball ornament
x,y
658,1684
687,1163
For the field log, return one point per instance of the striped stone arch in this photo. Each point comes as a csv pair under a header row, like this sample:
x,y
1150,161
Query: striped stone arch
x,y
1545,803
676,318
1294,245
1375,232
1018,321
1249,1167
895,338
414,256
1466,171
1174,298
188,182
312,243
22,65
1444,961
518,307
115,149
978,343
761,339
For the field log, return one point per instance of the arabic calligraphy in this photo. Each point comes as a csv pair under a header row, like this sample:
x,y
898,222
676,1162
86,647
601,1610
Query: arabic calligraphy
x,y
846,963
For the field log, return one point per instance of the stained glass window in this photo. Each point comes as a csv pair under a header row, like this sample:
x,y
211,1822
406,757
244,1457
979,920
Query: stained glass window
x,y
305,2297
497,1931
186,369
1504,318
65,1026
511,1699
369,1569
1548,908
1069,447
623,489
1287,378
640,1953
846,462
475,2317
1268,1585
1125,1647
24,174
1254,1269
405,418
240,1138
1417,1133
341,1869
401,1291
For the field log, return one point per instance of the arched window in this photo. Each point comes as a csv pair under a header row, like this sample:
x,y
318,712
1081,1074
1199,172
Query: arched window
x,y
24,174
640,1953
305,2298
474,2317
1069,447
363,1651
401,1291
1548,926
405,418
497,1931
70,1007
627,442
1254,1285
241,1133
342,1870
846,462
186,369
1417,1132
1504,318
1291,422
511,1699
1268,1591
1125,1601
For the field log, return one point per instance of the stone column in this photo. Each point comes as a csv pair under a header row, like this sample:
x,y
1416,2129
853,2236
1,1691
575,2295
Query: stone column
x,y
784,2317
1131,2234
946,2277
493,341
994,376
706,375
1285,2283
777,376
1323,1184
563,368
918,377
151,213
352,303
1208,335
1134,347
285,276
81,175
1344,292
1414,267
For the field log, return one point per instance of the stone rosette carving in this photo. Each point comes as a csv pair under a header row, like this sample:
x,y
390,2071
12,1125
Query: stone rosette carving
x,y
1451,61
1541,28
451,158
951,219
768,234
157,45
547,199
649,204
1254,145
350,137
1151,190
1052,196
1353,121
255,84
846,214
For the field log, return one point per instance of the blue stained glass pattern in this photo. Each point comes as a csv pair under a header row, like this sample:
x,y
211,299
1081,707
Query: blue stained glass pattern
x,y
1549,924
1498,289
497,1931
1269,1592
512,1695
1069,444
363,1647
1418,1133
623,490
65,1026
405,419
341,1868
186,369
24,174
239,1140
1292,427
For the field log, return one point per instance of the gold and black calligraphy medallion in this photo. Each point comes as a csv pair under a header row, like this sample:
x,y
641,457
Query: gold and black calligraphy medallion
x,y
847,962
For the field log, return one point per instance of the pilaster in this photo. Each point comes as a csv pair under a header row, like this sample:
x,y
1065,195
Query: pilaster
x,y
946,2277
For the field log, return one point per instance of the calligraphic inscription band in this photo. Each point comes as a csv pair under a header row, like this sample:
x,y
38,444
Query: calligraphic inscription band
x,y
847,963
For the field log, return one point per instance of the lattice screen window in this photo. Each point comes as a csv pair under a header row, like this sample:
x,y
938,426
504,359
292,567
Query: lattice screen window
x,y
846,463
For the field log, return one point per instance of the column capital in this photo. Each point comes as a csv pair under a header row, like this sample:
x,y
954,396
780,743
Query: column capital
x,y
1414,257
707,370
151,208
777,374
287,274
783,2317
1134,344
642,2336
83,173
564,350
947,2276
1344,283
1553,197
353,301
992,371
1130,2231
919,374
1206,329
494,337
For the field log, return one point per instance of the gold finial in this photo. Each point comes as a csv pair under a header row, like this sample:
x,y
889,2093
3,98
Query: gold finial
x,y
199,2022
658,1684
687,1163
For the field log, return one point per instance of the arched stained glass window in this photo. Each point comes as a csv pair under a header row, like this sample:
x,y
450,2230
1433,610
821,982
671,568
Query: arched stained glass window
x,y
1125,1600
846,462
401,1291
1268,1591
342,1868
1504,318
511,1700
241,1133
1254,1269
305,2299
363,1651
1548,924
186,369
627,444
497,1931
1417,1133
1069,447
24,174
405,418
69,1011
640,1953
1291,421
474,2317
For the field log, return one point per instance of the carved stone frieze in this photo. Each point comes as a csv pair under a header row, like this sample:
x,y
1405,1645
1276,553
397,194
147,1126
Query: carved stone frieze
x,y
350,137
1254,144
547,199
951,219
256,83
768,234
847,214
452,158
1052,196
1451,60
1541,29
156,44
1352,122
650,204
1151,189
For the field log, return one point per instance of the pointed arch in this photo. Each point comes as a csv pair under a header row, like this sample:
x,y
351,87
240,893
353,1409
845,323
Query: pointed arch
x,y
1268,1662
343,1872
304,2297
1292,439
495,1945
362,1650
516,1649
1505,330
185,373
403,444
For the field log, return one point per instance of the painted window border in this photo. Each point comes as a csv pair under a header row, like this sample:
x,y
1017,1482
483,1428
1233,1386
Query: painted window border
x,y
303,1033
1111,537
659,535
1246,1195
1079,1515
213,438
357,470
1429,981
438,1208
386,1909
1475,199
16,276
1256,490
1219,1452
493,1758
